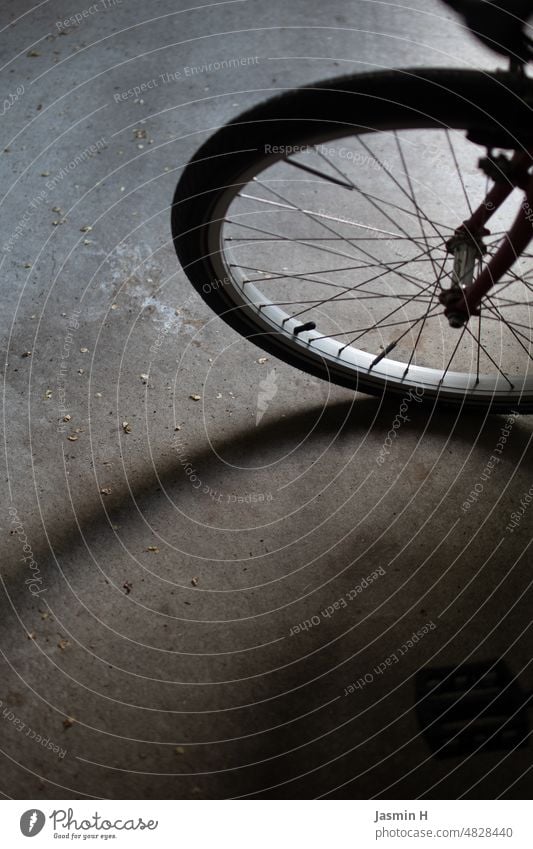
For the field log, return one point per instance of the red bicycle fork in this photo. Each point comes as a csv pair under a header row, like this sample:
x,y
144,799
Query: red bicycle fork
x,y
466,293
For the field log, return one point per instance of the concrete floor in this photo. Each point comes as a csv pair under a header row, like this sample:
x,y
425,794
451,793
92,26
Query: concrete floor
x,y
155,653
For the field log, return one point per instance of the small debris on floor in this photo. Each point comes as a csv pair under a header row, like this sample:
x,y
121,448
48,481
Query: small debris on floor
x,y
67,418
262,360
195,397
84,350
62,644
127,585
126,427
86,228
179,750
68,722
48,393
152,548
194,582
72,437
144,378
26,354
106,490
139,134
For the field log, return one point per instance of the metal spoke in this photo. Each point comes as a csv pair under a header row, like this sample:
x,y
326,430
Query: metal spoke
x,y
276,275
367,296
370,197
521,280
478,358
327,238
393,344
515,333
452,151
273,276
318,173
415,204
515,324
364,283
372,327
372,202
466,327
445,372
401,306
421,328
397,183
292,239
311,215
516,304
386,269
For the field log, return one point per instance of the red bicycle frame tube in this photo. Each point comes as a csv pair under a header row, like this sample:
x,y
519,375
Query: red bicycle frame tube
x,y
514,242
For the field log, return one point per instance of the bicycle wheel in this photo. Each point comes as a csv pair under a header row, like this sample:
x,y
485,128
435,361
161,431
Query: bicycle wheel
x,y
316,224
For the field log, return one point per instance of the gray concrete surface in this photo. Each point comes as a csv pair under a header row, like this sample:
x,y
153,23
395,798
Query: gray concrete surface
x,y
156,651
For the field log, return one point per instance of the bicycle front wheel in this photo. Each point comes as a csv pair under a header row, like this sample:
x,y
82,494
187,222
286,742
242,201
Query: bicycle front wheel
x,y
316,225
